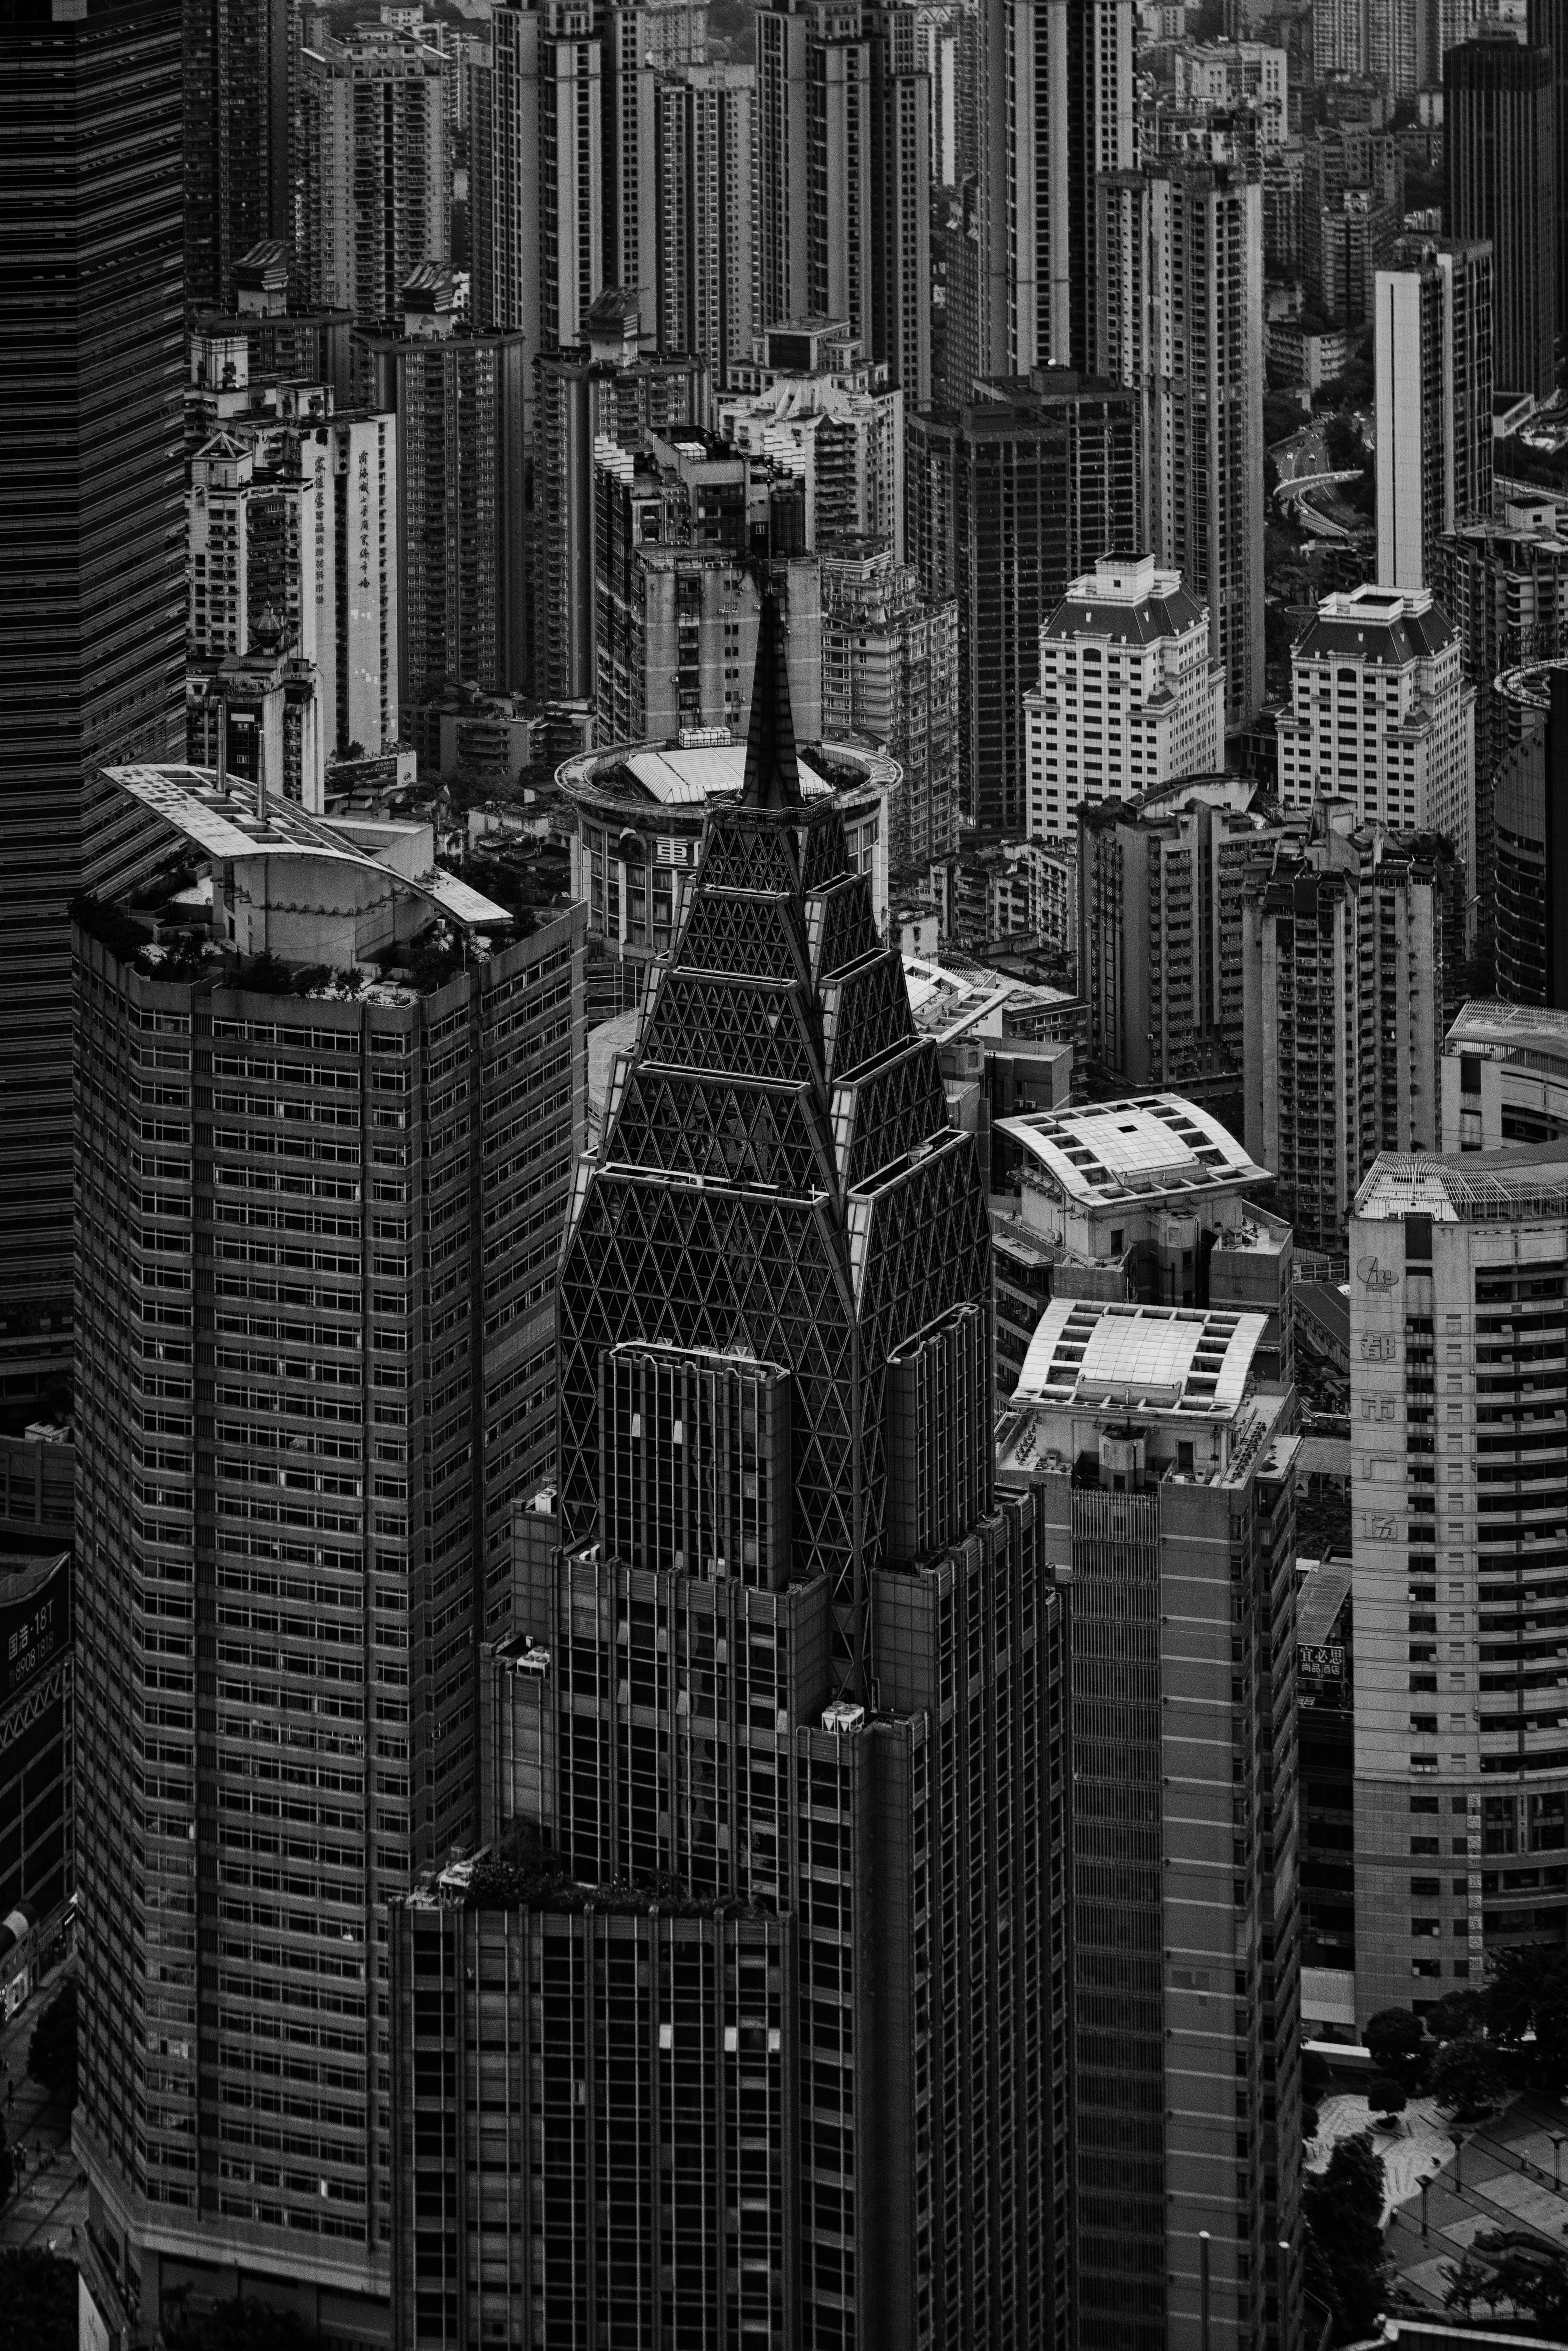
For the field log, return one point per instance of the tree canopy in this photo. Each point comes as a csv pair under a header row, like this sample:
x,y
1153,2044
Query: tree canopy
x,y
37,2301
52,2051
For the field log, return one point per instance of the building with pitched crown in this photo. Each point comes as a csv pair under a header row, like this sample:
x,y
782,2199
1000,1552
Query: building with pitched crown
x,y
781,1689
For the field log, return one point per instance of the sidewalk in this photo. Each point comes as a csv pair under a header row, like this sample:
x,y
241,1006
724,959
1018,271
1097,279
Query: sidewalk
x,y
1507,2183
46,2203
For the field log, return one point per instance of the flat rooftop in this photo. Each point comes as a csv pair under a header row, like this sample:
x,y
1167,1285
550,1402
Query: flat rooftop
x,y
1089,1354
1151,1146
1469,1188
690,774
1518,1027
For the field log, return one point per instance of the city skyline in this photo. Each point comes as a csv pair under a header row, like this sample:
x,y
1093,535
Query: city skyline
x,y
783,1140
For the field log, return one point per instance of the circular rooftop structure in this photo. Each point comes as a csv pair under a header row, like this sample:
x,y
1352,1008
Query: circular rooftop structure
x,y
640,808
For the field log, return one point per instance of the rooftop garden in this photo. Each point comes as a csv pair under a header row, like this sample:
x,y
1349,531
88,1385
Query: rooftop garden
x,y
523,1872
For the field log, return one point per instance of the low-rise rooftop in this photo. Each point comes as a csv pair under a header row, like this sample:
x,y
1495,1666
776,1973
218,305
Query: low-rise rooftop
x,y
1147,1147
1158,1358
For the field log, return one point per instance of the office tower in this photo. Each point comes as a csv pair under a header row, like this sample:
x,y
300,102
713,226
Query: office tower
x,y
774,1471
374,201
1147,1199
1345,949
1432,413
316,1365
1008,497
611,387
297,343
1499,152
536,195
679,522
1205,279
841,194
807,397
457,395
37,1792
1530,818
241,62
1055,107
1160,882
1129,694
1339,159
92,636
1166,1480
1457,1339
1546,28
1504,1077
890,672
702,286
642,809
1383,716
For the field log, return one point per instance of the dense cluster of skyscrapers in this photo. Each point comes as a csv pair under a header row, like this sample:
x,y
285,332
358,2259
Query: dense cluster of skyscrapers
x,y
722,1020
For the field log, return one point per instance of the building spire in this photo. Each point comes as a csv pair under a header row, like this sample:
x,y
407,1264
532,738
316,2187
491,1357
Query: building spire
x,y
772,776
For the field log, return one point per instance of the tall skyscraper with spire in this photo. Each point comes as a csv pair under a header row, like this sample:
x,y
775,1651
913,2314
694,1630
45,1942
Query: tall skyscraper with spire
x,y
778,1725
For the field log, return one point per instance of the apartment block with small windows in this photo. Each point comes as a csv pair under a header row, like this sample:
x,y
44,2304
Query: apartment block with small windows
x,y
1459,1311
326,1112
1129,694
1383,715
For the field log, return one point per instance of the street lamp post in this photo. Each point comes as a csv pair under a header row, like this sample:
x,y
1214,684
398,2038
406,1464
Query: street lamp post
x,y
1557,2161
1203,2283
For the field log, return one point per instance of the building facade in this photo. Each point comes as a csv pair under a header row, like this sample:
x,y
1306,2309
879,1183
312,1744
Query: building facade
x,y
1205,362
1433,407
1458,1335
1343,957
1160,886
806,396
375,202
1499,149
704,289
1383,716
890,672
1167,1477
459,400
324,1125
1129,694
241,67
91,646
1504,1077
536,195
841,179
760,1462
611,387
1009,498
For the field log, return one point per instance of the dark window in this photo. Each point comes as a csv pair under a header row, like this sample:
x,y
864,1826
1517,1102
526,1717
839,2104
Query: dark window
x,y
1469,1073
1417,1240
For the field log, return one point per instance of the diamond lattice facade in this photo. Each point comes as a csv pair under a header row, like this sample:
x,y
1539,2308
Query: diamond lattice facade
x,y
773,1755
